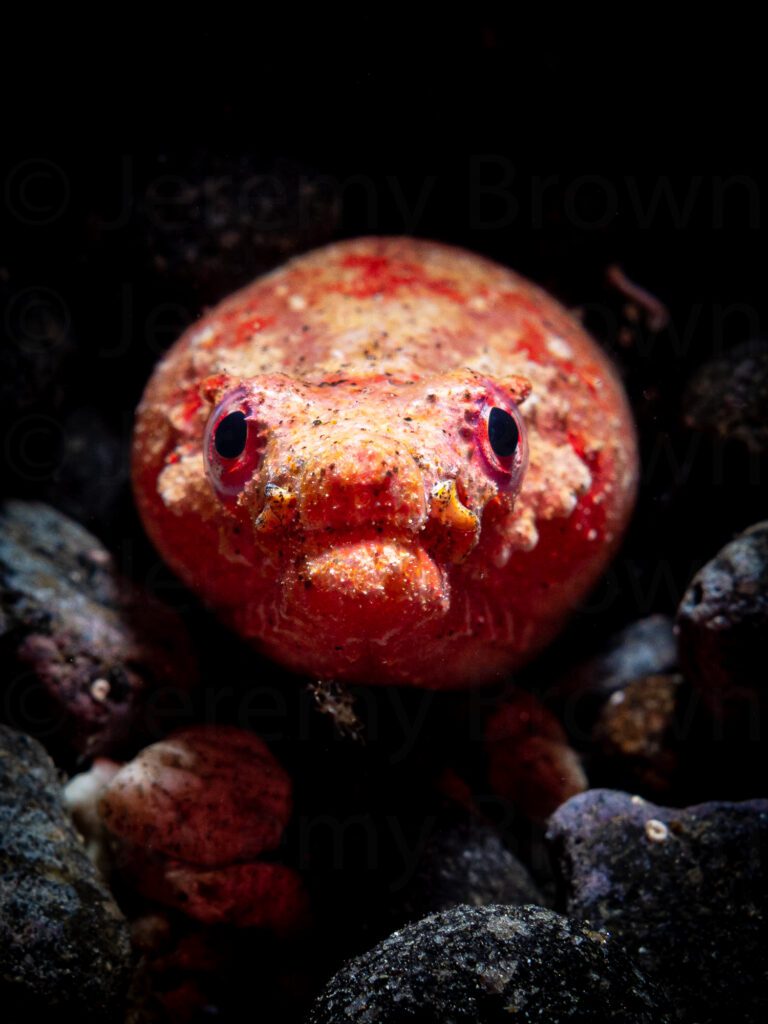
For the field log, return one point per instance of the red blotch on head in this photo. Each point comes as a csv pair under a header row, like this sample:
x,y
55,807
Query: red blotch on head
x,y
380,275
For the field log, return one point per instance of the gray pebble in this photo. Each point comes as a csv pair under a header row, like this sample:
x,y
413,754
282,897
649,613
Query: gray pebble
x,y
463,862
64,945
489,964
85,653
722,627
728,396
683,890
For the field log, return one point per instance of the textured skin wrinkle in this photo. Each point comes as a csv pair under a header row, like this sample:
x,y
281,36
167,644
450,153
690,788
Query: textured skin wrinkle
x,y
368,531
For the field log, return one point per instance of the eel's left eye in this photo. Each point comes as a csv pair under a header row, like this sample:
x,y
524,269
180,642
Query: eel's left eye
x,y
503,441
234,444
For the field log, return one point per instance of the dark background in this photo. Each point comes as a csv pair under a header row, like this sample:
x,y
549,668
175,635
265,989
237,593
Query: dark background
x,y
148,171
146,177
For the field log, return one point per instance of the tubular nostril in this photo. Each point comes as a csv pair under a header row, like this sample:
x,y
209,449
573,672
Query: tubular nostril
x,y
278,511
453,529
358,484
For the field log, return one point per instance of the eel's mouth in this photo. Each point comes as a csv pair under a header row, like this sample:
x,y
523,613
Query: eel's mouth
x,y
438,521
370,586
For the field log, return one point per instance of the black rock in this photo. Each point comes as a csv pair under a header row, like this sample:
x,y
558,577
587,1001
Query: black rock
x,y
463,862
35,342
214,222
91,477
64,946
487,964
88,658
646,647
638,733
722,627
728,396
684,891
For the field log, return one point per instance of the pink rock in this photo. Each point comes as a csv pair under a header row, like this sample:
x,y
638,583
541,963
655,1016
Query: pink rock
x,y
255,894
209,795
190,816
530,762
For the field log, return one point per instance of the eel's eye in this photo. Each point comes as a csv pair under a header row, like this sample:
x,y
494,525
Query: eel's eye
x,y
503,432
234,444
503,441
230,434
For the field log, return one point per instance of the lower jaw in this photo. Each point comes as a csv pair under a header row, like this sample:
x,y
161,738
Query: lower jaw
x,y
362,594
382,612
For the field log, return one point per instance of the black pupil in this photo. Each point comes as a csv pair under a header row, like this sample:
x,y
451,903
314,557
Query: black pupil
x,y
230,435
502,432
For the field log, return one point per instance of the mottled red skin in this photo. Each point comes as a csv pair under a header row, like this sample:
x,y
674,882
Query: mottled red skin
x,y
369,535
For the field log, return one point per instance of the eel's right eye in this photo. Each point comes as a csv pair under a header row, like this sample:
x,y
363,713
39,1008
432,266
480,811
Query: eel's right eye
x,y
503,441
234,444
503,433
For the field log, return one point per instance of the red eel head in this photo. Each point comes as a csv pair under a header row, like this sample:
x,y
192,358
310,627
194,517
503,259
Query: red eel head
x,y
380,525
361,493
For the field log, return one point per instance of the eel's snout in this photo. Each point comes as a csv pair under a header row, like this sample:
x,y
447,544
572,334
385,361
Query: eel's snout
x,y
355,482
362,506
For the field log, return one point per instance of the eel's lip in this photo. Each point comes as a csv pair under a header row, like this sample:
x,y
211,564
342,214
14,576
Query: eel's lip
x,y
371,584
